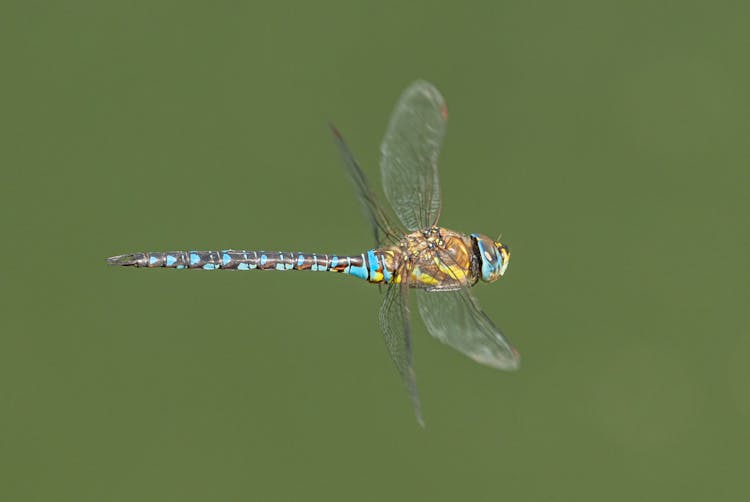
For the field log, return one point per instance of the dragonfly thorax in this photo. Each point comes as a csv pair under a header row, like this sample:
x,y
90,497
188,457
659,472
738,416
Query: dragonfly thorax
x,y
434,259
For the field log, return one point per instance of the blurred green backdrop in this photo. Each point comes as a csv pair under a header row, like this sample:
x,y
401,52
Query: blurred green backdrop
x,y
607,141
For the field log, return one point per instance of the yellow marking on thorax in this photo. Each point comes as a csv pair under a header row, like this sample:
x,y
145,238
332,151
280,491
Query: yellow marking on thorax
x,y
423,277
454,271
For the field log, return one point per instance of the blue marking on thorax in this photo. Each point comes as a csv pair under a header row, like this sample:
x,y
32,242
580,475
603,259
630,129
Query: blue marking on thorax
x,y
348,265
209,266
334,261
151,260
315,267
180,266
263,259
170,260
300,260
225,259
359,270
280,266
194,258
243,266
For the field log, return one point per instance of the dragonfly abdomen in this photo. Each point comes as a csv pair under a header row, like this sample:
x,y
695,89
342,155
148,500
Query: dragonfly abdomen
x,y
358,266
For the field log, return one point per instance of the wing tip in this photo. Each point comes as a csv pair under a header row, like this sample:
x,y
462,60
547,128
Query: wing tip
x,y
334,129
515,362
418,411
505,363
432,93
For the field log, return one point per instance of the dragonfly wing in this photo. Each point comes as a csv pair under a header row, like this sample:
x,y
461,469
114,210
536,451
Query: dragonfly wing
x,y
410,149
455,318
395,325
381,226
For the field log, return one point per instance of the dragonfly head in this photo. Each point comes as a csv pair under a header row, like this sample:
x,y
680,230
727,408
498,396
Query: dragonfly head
x,y
493,257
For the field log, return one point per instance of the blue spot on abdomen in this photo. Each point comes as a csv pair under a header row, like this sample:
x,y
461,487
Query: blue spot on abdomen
x,y
358,270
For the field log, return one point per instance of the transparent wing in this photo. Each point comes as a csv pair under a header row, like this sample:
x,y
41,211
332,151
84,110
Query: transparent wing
x,y
410,149
394,323
455,317
381,226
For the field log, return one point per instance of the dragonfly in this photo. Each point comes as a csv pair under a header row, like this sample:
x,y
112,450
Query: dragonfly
x,y
411,254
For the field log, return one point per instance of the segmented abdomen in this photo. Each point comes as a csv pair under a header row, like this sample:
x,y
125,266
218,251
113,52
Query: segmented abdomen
x,y
244,260
371,266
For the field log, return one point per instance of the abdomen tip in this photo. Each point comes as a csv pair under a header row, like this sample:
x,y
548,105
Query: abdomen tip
x,y
123,260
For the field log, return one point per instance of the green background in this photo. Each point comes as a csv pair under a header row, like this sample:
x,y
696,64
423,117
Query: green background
x,y
607,141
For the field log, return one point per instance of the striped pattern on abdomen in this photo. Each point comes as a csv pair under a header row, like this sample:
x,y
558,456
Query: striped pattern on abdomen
x,y
368,266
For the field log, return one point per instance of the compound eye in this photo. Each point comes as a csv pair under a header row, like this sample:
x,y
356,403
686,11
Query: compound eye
x,y
488,254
